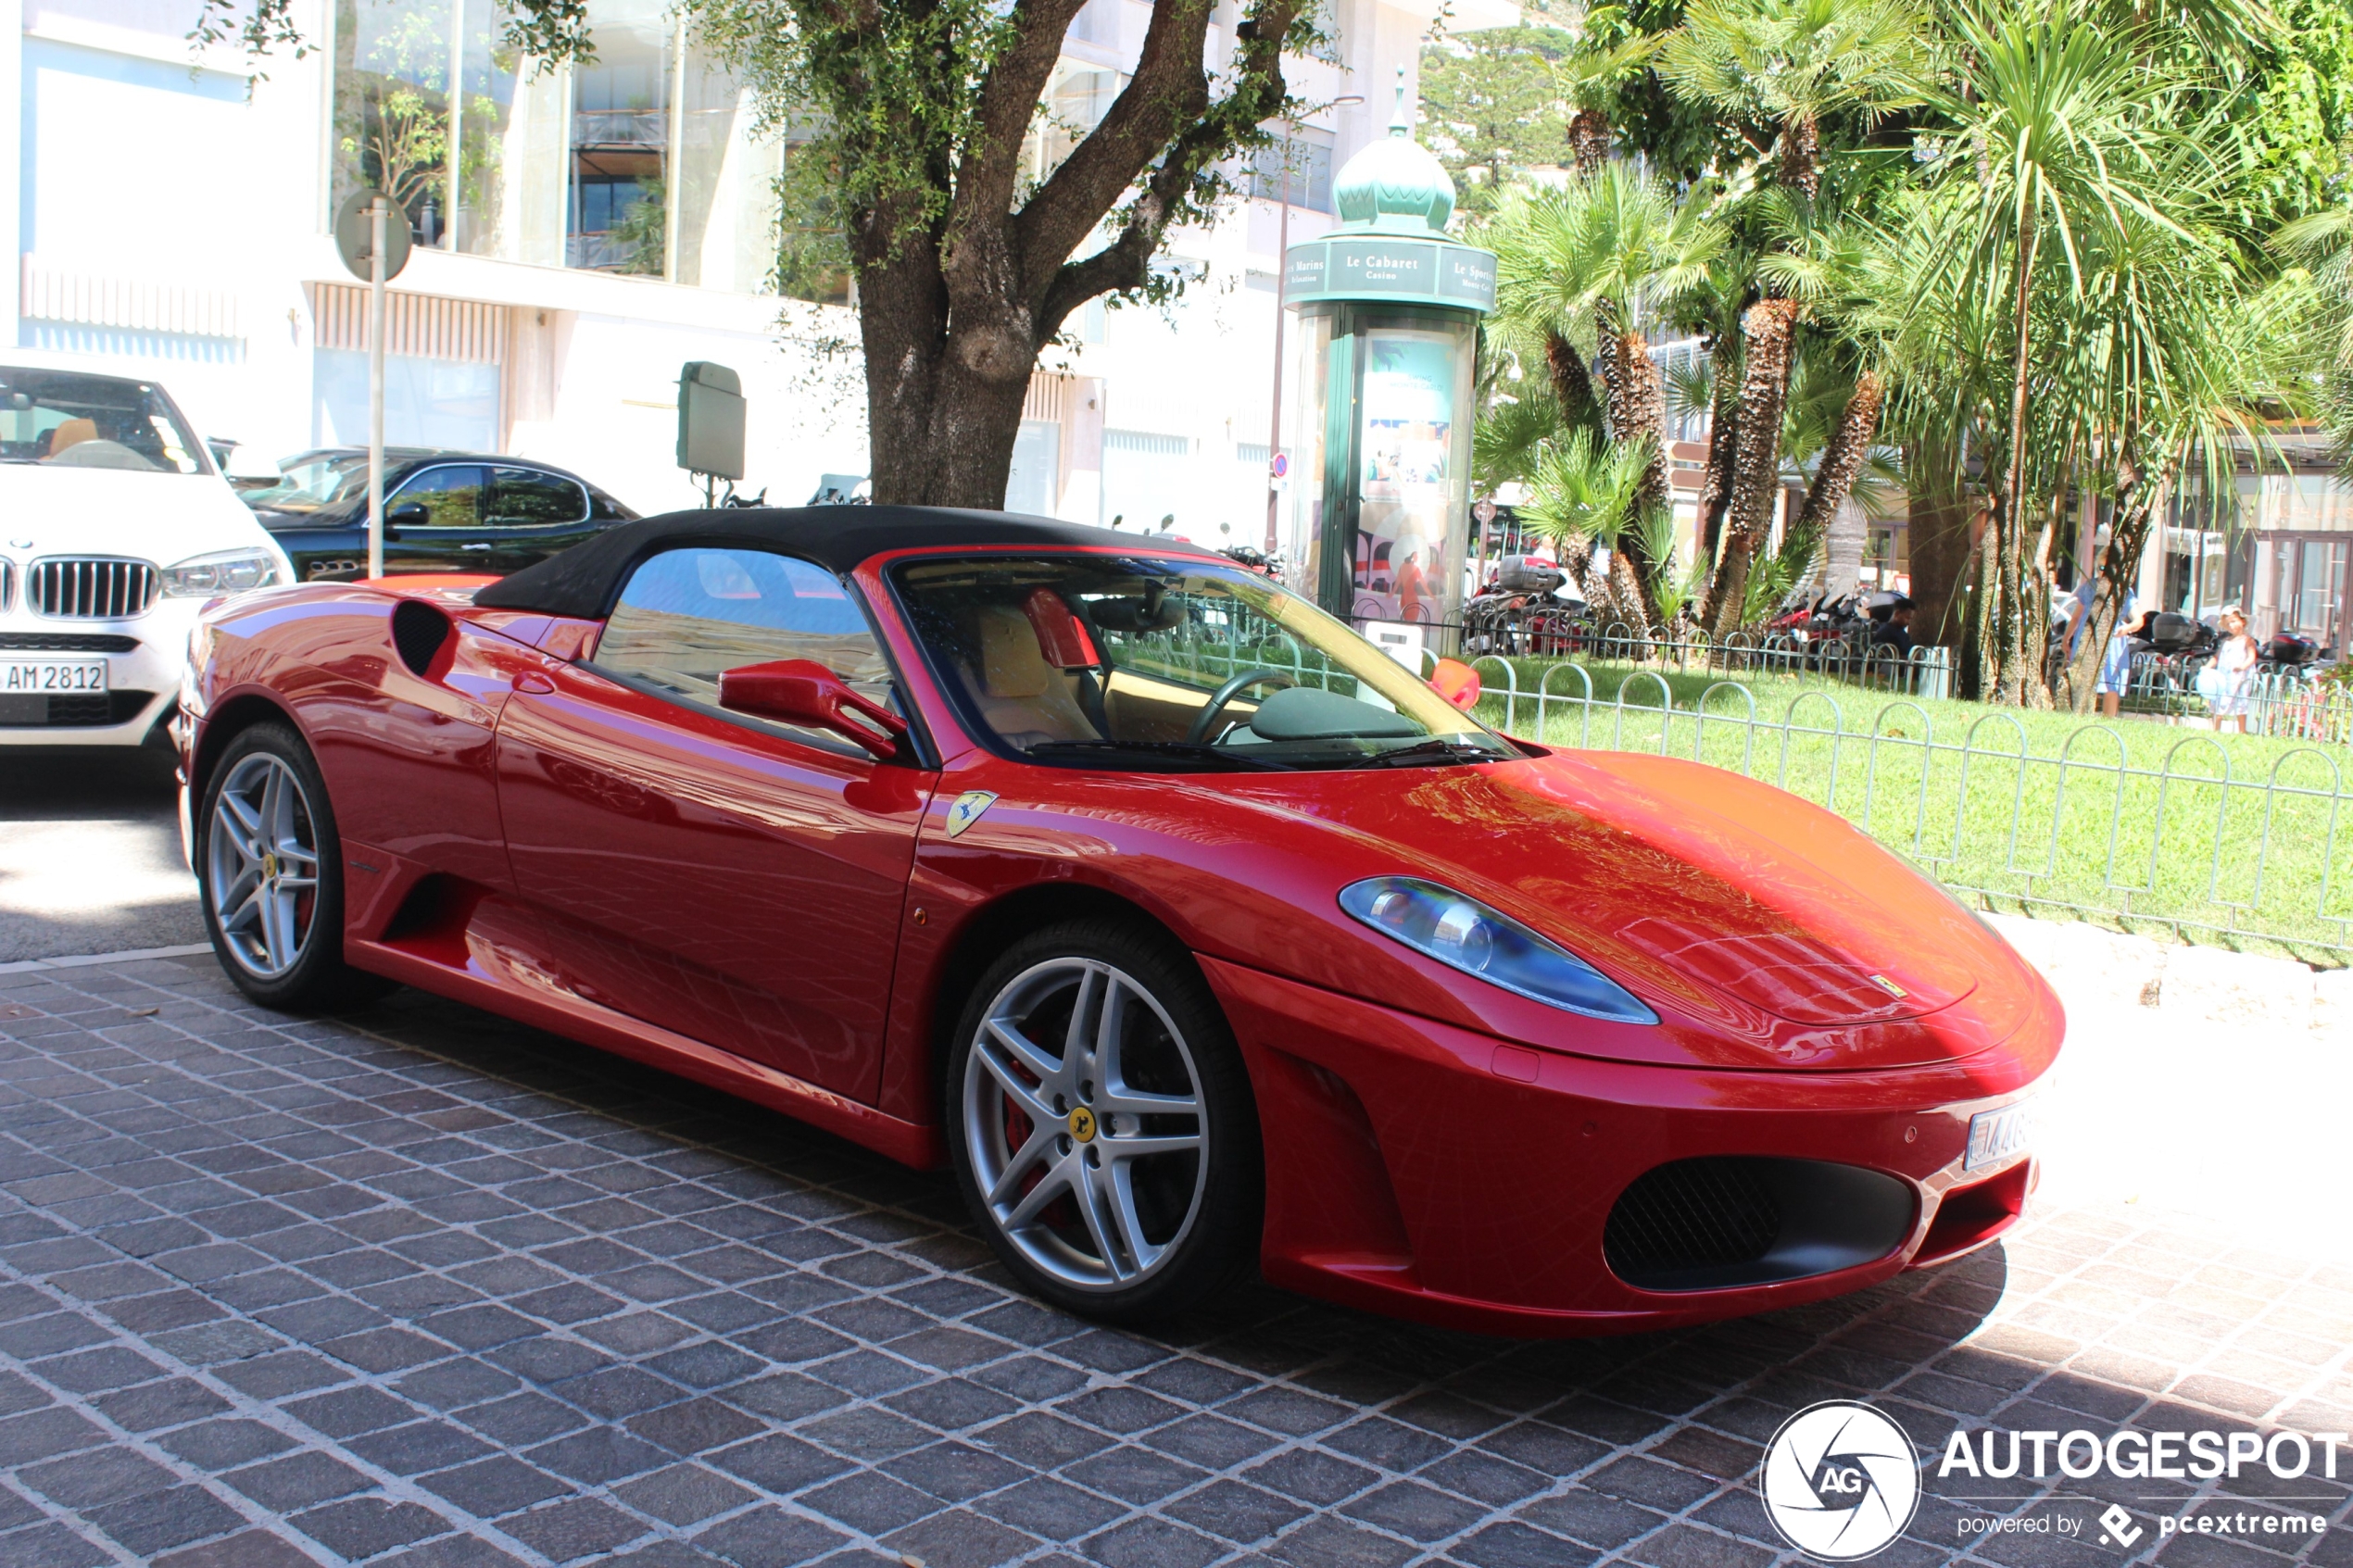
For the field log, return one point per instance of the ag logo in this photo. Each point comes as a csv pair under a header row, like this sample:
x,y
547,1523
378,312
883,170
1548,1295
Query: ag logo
x,y
968,809
1840,1481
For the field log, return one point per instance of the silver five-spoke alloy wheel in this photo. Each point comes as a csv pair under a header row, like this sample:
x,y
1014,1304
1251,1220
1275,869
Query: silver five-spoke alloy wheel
x,y
1083,1113
261,862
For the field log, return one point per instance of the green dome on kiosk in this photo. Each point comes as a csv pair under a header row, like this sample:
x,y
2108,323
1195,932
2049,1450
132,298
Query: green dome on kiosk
x,y
1396,186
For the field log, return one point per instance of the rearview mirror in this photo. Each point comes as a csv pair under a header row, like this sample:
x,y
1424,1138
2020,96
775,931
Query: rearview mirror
x,y
801,691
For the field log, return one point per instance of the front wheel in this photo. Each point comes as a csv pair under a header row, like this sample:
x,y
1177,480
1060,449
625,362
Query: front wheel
x,y
1102,1124
270,871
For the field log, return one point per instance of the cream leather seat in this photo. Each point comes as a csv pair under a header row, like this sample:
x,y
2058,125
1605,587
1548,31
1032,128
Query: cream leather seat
x,y
1023,698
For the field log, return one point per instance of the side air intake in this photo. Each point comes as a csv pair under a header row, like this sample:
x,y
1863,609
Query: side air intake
x,y
419,630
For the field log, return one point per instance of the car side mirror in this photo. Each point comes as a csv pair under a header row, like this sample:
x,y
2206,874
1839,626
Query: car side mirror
x,y
408,514
801,691
1456,682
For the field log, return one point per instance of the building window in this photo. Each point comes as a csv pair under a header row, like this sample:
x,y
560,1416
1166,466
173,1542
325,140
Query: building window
x,y
1297,168
645,161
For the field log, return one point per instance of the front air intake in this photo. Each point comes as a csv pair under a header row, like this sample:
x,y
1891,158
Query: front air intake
x,y
1724,1221
418,632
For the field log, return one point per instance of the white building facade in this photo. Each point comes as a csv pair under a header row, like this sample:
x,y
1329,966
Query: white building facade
x,y
580,234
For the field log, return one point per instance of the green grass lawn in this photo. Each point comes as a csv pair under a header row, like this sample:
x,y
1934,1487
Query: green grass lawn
x,y
2240,839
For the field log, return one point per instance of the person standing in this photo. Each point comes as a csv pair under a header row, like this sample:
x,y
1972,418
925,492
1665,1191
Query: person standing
x,y
2228,683
2115,659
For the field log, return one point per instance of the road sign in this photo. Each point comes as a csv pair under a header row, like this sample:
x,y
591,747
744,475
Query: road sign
x,y
1484,509
1280,467
351,236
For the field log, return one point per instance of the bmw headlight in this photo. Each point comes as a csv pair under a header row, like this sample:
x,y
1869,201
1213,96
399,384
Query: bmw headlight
x,y
230,571
1441,923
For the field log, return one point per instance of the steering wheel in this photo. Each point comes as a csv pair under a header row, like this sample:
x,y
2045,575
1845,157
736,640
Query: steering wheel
x,y
1225,693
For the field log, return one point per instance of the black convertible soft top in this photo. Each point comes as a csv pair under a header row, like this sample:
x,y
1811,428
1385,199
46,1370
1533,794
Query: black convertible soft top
x,y
584,580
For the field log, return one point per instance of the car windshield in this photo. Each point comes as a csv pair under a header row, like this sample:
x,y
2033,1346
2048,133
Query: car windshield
x,y
66,419
1101,662
315,480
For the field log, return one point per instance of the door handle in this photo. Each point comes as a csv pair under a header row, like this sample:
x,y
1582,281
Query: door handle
x,y
469,547
532,681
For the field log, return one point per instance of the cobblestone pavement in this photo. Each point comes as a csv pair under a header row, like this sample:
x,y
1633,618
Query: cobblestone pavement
x,y
420,1287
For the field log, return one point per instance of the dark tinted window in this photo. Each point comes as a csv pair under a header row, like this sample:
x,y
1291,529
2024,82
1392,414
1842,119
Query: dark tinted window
x,y
519,498
450,494
604,508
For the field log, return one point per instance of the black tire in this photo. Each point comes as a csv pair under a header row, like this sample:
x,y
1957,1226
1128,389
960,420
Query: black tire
x,y
316,979
1180,1045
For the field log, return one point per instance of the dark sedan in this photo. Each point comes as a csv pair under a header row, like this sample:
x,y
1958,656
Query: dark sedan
x,y
444,511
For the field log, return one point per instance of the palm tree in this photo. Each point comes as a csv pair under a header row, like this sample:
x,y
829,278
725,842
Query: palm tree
x,y
2322,242
1589,73
2068,135
1582,492
1595,262
1788,63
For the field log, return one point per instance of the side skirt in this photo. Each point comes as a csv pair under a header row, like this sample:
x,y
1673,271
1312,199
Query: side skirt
x,y
508,985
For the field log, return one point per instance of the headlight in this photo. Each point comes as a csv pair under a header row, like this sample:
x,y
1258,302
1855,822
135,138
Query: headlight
x,y
231,571
1463,934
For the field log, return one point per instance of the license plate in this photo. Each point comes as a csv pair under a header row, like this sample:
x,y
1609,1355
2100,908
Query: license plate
x,y
45,677
1994,1135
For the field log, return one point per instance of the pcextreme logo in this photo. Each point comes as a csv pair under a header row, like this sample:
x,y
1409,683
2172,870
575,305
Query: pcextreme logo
x,y
1840,1481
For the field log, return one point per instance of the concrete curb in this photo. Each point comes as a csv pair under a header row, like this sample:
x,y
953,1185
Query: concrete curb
x,y
2103,970
83,960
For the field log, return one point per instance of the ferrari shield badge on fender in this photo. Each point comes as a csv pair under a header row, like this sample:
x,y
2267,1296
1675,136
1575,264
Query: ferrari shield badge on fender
x,y
968,809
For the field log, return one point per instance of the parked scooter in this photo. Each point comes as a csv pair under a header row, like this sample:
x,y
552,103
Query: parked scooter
x,y
2289,654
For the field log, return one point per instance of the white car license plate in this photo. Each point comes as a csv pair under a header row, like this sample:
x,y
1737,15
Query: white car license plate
x,y
52,677
1994,1135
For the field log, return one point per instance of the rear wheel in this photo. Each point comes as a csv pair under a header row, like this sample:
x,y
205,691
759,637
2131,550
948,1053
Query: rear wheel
x,y
1102,1124
270,871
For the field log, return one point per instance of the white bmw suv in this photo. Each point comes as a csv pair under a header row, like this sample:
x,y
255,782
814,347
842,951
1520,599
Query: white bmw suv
x,y
115,526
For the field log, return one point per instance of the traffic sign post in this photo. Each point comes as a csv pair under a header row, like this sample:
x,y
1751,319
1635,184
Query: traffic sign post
x,y
375,248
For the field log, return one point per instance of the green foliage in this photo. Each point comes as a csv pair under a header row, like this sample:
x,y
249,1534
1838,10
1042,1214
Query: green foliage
x,y
1491,109
1583,490
1620,240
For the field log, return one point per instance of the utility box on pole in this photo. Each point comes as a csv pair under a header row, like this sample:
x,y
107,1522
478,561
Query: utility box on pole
x,y
710,422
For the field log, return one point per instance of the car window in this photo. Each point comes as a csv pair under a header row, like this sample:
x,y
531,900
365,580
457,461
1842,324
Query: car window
x,y
451,495
62,418
1081,660
689,613
520,498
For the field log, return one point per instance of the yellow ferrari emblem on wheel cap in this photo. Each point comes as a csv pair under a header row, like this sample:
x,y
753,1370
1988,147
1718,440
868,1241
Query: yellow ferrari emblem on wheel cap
x,y
1082,1125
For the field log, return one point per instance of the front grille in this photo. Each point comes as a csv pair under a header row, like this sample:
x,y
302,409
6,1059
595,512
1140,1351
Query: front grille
x,y
67,642
73,711
1691,1215
90,589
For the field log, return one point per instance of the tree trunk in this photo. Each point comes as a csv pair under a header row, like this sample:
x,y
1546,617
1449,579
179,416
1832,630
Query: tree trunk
x,y
1937,534
1572,384
1768,326
1723,441
2117,573
1637,413
1802,154
1843,459
2007,650
1589,141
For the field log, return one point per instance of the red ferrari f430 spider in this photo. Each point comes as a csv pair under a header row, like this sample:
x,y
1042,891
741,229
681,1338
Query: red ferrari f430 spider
x,y
1193,931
